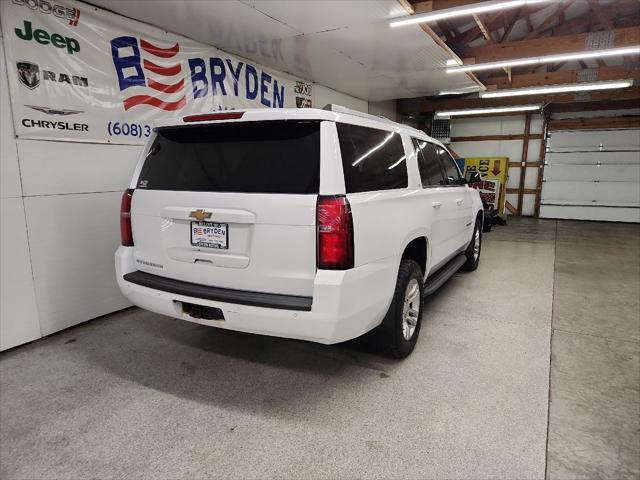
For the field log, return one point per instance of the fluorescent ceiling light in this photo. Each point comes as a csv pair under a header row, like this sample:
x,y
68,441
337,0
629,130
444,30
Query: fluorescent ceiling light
x,y
518,62
481,111
481,7
574,87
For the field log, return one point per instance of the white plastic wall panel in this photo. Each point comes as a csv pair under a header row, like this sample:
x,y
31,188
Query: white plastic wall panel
x,y
608,214
577,192
502,148
502,125
319,15
419,66
73,238
9,170
595,171
324,95
346,45
594,141
18,312
481,126
50,168
603,158
592,173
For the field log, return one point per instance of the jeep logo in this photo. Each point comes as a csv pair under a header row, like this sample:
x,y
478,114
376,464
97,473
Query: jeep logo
x,y
44,38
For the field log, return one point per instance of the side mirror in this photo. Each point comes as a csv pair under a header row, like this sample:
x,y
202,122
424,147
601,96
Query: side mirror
x,y
473,177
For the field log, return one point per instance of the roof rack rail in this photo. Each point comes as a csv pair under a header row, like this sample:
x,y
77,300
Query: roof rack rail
x,y
332,107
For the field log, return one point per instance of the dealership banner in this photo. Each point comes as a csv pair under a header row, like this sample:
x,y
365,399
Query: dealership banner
x,y
79,73
493,171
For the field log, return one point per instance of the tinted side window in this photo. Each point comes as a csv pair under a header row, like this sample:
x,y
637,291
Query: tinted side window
x,y
428,164
371,159
449,164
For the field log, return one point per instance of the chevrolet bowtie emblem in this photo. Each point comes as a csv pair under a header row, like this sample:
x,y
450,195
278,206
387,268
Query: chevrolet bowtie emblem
x,y
200,214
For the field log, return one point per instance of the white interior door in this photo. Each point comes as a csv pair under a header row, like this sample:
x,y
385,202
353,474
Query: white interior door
x,y
592,175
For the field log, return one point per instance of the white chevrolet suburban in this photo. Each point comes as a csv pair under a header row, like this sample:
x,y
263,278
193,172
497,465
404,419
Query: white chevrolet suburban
x,y
321,225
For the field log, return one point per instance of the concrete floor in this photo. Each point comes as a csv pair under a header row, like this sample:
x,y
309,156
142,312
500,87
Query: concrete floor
x,y
135,394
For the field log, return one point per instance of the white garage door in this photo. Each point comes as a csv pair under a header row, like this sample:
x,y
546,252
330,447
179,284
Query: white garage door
x,y
592,175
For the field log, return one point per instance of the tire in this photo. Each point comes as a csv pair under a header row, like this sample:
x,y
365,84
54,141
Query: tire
x,y
473,256
398,333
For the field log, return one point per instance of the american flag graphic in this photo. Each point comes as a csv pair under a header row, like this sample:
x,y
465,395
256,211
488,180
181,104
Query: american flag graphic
x,y
150,74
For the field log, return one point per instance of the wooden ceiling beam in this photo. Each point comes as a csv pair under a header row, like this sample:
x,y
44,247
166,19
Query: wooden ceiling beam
x,y
597,10
494,22
509,27
600,105
428,105
560,77
632,121
547,22
629,10
623,37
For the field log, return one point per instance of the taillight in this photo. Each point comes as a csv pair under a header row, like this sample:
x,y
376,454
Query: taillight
x,y
207,117
126,235
335,233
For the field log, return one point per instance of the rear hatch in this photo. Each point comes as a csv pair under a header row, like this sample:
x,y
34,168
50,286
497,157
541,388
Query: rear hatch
x,y
231,205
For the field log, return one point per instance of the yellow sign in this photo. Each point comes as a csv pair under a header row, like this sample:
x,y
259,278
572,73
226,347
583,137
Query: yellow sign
x,y
494,178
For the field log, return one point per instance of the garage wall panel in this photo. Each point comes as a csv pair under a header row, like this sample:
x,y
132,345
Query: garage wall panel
x,y
50,168
594,140
505,125
18,313
9,170
595,171
602,214
502,125
19,321
73,239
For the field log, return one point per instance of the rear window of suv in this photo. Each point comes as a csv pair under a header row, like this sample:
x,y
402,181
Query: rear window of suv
x,y
256,157
371,159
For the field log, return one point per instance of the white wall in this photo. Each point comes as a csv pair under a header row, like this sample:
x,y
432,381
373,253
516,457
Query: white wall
x,y
386,109
502,125
324,95
18,312
60,225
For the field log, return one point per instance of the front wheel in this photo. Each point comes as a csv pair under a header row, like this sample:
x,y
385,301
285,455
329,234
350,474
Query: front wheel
x,y
475,247
398,333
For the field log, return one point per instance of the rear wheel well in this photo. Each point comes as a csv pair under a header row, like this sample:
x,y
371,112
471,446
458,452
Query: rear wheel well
x,y
416,250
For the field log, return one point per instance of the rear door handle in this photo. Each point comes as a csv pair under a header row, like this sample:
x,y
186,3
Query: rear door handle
x,y
436,204
459,201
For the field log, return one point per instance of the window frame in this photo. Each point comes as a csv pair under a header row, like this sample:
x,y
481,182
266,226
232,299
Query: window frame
x,y
444,170
414,141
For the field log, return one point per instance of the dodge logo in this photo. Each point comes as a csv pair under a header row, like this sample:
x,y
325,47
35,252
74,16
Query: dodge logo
x,y
28,74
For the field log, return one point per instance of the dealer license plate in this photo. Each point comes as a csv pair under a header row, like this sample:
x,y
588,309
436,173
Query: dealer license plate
x,y
210,234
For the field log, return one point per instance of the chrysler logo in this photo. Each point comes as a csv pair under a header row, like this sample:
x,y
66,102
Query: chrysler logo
x,y
54,111
200,214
